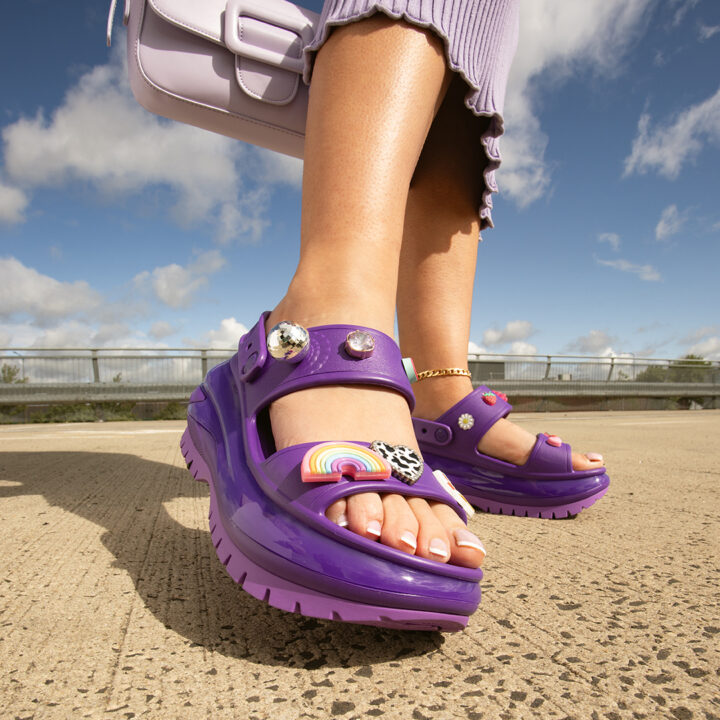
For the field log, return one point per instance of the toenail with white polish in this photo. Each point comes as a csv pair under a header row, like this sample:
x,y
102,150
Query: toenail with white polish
x,y
374,528
464,538
439,547
594,457
408,539
343,521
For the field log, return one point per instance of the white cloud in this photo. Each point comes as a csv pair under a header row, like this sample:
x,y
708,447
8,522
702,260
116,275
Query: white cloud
x,y
13,203
26,292
669,224
175,285
475,349
676,140
709,348
278,168
612,239
703,341
699,334
161,329
514,330
233,221
707,31
226,336
72,333
556,39
596,342
522,348
685,6
644,272
101,136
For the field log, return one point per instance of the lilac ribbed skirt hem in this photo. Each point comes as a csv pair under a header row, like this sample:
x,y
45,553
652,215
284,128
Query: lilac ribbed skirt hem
x,y
480,41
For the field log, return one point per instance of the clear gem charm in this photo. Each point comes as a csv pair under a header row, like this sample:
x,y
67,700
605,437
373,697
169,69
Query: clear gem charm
x,y
288,341
359,344
466,421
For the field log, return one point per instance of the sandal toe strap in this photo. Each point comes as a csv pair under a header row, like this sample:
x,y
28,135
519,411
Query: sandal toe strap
x,y
316,495
549,456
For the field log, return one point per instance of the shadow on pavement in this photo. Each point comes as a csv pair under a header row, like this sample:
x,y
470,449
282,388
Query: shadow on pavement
x,y
175,570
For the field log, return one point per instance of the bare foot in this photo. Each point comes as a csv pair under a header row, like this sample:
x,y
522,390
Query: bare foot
x,y
504,440
365,413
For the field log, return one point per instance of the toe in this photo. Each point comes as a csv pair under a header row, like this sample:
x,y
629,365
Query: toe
x,y
588,461
433,541
337,513
365,515
466,549
400,526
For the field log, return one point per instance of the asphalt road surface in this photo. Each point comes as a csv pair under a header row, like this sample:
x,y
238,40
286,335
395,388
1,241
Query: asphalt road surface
x,y
114,605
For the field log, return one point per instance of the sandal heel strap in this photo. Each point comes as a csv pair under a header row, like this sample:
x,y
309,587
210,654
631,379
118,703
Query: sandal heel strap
x,y
327,362
462,427
432,432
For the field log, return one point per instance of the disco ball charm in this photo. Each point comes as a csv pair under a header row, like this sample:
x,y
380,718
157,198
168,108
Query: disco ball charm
x,y
288,342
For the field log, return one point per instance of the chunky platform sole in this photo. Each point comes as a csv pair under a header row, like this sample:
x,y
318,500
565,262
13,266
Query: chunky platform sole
x,y
554,512
292,597
508,495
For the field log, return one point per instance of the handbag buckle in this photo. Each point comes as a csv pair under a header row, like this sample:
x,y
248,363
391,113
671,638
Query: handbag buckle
x,y
286,16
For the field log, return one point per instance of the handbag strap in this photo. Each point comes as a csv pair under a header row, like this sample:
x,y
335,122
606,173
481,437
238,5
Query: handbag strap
x,y
111,18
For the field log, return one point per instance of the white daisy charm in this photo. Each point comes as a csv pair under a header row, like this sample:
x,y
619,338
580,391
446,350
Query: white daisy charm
x,y
466,421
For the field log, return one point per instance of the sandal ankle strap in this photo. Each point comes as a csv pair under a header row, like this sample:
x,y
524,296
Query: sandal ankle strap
x,y
465,423
326,362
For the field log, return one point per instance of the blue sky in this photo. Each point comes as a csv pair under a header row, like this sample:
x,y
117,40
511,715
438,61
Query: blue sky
x,y
121,229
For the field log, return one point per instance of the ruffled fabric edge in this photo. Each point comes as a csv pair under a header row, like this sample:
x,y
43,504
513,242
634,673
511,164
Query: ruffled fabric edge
x,y
481,101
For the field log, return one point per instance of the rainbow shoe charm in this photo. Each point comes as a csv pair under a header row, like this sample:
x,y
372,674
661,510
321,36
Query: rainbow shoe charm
x,y
329,461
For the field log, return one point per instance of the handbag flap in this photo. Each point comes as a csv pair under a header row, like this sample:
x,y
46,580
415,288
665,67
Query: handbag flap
x,y
276,25
269,55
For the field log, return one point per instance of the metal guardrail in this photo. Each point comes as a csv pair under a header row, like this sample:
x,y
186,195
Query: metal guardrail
x,y
61,375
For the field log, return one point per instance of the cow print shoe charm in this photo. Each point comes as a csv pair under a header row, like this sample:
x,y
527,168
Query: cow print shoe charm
x,y
406,464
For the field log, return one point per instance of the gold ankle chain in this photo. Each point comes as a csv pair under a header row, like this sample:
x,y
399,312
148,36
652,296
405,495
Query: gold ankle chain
x,y
443,371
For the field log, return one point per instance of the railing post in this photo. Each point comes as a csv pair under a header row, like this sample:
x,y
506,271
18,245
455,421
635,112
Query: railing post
x,y
203,363
95,366
612,366
548,366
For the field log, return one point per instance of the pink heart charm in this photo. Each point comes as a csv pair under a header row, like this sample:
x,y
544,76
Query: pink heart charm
x,y
554,440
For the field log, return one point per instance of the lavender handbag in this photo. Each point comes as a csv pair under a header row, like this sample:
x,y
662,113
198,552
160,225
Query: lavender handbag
x,y
230,66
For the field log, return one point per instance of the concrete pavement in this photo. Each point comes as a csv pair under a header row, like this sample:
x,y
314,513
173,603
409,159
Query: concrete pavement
x,y
113,603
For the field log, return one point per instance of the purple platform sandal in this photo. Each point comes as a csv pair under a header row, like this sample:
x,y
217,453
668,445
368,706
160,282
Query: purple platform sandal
x,y
267,507
545,486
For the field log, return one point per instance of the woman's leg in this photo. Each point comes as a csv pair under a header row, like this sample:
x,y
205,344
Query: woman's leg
x,y
376,87
437,270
